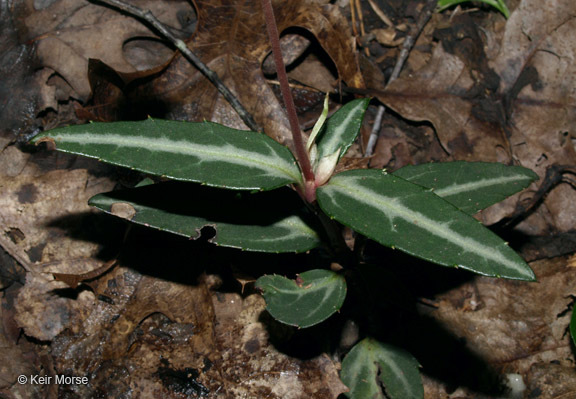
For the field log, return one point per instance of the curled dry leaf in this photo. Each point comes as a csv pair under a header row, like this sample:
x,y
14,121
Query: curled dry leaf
x,y
67,33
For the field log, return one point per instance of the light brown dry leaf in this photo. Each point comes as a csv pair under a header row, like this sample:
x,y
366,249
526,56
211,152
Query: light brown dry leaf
x,y
67,33
387,37
517,324
536,60
177,339
509,327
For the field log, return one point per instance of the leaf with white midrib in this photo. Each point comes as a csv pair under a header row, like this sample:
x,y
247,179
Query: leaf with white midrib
x,y
240,219
318,295
342,128
204,152
370,361
402,215
470,186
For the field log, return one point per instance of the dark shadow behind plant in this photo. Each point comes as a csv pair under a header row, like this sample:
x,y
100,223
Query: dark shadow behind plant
x,y
423,210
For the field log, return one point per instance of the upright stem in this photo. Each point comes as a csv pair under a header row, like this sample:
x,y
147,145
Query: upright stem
x,y
301,153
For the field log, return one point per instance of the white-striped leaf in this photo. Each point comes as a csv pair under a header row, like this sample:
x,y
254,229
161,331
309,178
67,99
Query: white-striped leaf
x,y
341,129
409,217
271,221
309,300
371,366
204,152
470,186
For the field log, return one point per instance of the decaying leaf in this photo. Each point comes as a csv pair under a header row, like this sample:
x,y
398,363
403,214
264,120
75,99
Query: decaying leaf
x,y
37,206
513,327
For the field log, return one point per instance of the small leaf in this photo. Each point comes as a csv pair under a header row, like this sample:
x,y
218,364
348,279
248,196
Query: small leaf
x,y
342,128
271,221
370,361
205,152
312,299
409,217
470,186
497,4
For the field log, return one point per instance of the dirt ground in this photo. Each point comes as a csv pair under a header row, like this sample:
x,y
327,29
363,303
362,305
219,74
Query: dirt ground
x,y
144,314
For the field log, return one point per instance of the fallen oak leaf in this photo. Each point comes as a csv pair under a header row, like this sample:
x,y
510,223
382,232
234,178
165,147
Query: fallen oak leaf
x,y
67,33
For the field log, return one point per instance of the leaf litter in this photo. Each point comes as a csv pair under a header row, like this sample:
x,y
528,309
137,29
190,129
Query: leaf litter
x,y
475,87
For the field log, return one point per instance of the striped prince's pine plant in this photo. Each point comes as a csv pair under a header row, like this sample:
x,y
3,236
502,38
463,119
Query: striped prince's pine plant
x,y
425,211
227,178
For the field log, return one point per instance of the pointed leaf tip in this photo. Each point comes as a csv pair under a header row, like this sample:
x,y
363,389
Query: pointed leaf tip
x,y
342,128
397,213
470,186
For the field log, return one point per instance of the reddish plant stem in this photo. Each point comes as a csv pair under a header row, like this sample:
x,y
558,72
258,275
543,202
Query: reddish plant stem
x,y
301,153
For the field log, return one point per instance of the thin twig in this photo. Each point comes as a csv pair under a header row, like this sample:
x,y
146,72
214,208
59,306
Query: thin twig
x,y
555,174
423,19
375,131
407,45
148,17
361,19
380,13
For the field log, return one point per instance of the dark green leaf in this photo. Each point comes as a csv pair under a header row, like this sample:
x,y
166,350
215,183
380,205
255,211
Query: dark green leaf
x,y
342,128
409,217
470,186
312,299
271,221
371,362
200,152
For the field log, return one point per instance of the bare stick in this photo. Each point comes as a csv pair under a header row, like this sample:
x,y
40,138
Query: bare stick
x,y
375,131
301,153
423,19
190,56
409,41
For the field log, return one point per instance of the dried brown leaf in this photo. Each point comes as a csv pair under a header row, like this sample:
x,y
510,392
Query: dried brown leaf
x,y
68,33
516,324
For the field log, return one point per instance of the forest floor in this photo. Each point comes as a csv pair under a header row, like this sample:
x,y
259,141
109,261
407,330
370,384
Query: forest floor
x,y
168,317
